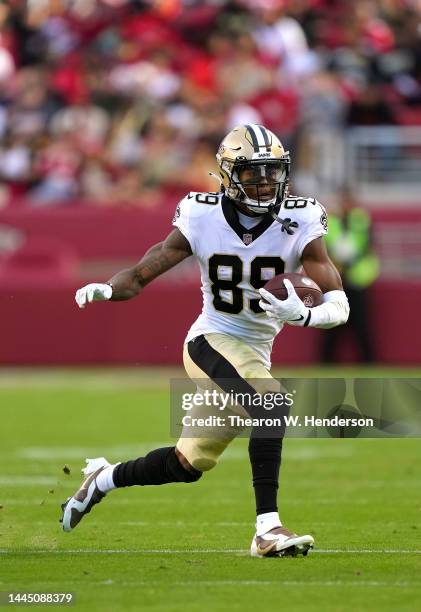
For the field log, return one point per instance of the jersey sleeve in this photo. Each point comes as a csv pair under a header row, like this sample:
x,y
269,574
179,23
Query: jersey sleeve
x,y
183,221
313,224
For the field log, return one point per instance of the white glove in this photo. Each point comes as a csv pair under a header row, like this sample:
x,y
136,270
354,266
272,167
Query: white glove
x,y
291,310
94,292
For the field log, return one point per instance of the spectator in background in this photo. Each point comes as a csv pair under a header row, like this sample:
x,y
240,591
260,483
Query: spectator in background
x,y
197,173
282,39
33,103
7,61
349,243
153,78
91,82
15,160
86,123
164,152
242,74
321,115
95,180
56,169
370,108
132,190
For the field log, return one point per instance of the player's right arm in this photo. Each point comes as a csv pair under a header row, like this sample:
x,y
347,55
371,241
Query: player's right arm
x,y
129,282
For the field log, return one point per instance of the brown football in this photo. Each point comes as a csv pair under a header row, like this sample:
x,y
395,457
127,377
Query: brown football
x,y
308,291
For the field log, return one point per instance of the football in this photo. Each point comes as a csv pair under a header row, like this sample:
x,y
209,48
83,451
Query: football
x,y
307,290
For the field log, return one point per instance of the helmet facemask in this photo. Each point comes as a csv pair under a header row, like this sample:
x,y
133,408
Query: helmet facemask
x,y
259,184
254,168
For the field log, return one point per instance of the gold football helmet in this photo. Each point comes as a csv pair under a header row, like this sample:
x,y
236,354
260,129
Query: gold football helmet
x,y
254,167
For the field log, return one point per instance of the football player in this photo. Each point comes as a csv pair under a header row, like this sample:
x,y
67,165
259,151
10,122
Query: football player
x,y
241,236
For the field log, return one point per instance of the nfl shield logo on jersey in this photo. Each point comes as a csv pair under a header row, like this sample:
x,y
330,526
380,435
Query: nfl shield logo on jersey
x,y
247,239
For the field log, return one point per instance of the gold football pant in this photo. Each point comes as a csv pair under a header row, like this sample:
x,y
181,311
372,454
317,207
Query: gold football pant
x,y
220,362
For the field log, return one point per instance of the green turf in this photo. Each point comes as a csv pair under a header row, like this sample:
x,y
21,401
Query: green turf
x,y
352,495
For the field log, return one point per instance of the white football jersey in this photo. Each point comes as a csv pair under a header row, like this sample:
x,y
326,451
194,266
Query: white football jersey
x,y
235,261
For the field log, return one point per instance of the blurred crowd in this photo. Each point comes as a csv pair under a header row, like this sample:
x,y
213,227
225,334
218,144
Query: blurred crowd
x,y
117,102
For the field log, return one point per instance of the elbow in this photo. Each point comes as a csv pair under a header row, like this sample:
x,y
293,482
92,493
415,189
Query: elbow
x,y
344,313
337,310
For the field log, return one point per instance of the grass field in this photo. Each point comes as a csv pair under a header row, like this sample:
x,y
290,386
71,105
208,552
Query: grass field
x,y
185,547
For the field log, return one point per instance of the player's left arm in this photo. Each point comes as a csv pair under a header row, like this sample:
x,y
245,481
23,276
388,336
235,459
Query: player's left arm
x,y
335,308
128,283
318,266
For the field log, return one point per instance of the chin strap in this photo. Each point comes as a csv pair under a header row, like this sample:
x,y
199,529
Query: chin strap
x,y
288,225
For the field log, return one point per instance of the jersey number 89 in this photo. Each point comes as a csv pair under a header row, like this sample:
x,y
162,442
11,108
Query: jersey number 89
x,y
235,306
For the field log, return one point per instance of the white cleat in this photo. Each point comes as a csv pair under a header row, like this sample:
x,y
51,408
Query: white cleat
x,y
280,542
75,508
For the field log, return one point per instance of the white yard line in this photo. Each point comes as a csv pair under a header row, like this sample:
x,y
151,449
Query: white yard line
x,y
207,583
78,453
171,551
309,583
122,501
158,377
101,379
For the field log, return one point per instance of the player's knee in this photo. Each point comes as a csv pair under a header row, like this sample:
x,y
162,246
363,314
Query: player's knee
x,y
202,453
180,469
204,463
265,386
205,456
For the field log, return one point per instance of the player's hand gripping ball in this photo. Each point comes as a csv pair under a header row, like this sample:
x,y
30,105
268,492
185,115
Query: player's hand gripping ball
x,y
288,298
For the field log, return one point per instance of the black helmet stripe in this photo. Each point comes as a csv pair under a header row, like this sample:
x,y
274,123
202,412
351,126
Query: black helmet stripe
x,y
253,138
259,137
265,136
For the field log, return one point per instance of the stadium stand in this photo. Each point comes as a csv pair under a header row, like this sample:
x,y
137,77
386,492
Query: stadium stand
x,y
111,110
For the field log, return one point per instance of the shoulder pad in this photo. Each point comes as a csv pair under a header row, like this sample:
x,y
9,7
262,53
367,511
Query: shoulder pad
x,y
305,211
307,208
292,202
205,197
189,206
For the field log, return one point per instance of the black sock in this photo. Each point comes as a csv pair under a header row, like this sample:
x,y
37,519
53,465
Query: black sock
x,y
160,466
265,459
